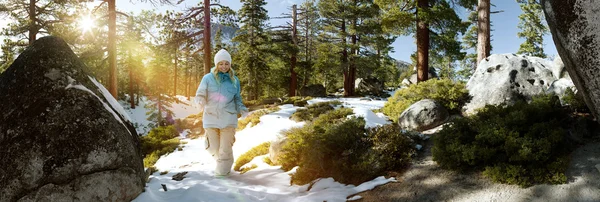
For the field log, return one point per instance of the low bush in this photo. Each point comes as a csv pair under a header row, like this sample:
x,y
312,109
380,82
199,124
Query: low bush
x,y
336,146
312,111
297,100
520,144
392,147
245,158
254,117
452,95
575,103
159,141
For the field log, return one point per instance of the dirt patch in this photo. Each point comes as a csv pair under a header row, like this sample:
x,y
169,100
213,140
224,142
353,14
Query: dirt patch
x,y
426,181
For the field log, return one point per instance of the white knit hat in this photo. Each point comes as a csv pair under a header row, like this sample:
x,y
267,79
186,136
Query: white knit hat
x,y
222,55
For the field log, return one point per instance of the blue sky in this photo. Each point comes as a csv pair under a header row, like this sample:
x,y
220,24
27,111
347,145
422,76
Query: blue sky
x,y
504,34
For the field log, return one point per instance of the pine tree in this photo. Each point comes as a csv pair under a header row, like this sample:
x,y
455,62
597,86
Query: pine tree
x,y
112,44
445,47
469,64
436,26
532,28
336,14
483,30
32,17
375,49
308,29
8,56
250,60
133,52
159,102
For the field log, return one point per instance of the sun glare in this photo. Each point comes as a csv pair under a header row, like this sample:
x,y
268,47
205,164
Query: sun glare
x,y
86,23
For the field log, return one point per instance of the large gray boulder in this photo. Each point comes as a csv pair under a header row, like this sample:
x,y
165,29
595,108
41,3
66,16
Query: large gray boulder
x,y
575,31
507,78
558,69
413,78
276,149
314,90
423,115
62,136
369,86
560,86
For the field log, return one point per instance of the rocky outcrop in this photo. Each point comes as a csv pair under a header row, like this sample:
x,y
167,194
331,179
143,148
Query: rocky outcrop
x,y
62,136
560,86
314,90
507,78
369,86
423,115
413,78
276,149
575,28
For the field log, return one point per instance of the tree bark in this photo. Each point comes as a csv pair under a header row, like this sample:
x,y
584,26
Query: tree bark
x,y
131,80
32,18
112,48
187,82
293,75
483,30
354,54
206,44
175,70
422,43
345,60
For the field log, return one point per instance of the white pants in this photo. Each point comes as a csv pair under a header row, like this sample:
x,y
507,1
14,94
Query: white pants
x,y
218,144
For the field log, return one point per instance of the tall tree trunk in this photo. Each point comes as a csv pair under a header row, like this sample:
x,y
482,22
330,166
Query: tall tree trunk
x,y
422,43
175,71
112,48
32,18
187,78
483,30
354,54
347,91
131,80
159,106
139,92
307,53
206,44
294,54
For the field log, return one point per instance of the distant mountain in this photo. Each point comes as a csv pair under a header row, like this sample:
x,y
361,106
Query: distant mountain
x,y
402,65
227,32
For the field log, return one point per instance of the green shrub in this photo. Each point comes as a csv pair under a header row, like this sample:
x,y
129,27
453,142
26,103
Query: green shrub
x,y
332,151
521,144
452,95
574,102
340,147
313,110
392,147
254,117
245,158
297,100
159,141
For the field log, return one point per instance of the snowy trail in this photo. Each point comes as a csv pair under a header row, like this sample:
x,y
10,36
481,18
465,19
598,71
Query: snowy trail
x,y
264,183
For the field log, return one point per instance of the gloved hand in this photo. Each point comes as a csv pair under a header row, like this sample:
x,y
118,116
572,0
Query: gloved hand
x,y
243,114
199,103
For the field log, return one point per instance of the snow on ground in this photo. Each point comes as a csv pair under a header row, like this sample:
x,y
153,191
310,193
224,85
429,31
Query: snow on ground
x,y
264,183
362,107
138,115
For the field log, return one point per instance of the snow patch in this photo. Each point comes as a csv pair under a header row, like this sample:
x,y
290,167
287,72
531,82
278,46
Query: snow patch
x,y
83,88
113,102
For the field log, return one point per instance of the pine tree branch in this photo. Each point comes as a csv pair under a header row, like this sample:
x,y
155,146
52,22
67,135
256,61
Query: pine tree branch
x,y
193,12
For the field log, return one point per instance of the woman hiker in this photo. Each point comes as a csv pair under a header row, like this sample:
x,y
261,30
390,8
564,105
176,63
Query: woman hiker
x,y
219,97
